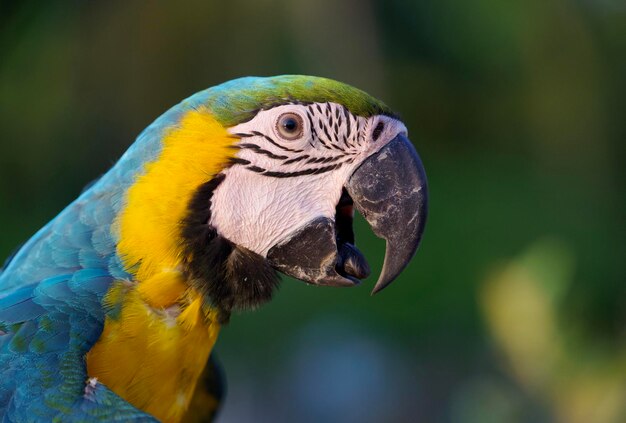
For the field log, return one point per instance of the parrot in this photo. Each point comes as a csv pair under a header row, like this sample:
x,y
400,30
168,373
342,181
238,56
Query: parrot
x,y
110,312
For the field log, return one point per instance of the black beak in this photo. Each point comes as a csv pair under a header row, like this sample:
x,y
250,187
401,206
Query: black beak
x,y
389,189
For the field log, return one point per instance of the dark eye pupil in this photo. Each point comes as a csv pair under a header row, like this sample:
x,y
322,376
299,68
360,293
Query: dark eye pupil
x,y
290,124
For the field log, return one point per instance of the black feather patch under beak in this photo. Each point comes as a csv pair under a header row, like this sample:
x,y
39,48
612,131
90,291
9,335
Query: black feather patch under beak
x,y
389,189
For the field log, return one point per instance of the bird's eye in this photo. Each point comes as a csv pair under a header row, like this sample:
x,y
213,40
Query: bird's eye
x,y
289,126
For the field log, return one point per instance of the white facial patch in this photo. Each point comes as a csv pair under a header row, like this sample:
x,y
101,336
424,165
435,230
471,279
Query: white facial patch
x,y
277,186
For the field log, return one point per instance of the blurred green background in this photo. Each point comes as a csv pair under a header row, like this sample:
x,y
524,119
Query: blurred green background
x,y
513,310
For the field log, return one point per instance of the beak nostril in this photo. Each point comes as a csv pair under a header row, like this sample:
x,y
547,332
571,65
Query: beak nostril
x,y
378,130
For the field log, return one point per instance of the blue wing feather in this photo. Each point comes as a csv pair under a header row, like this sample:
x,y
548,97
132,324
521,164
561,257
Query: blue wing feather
x,y
52,314
51,294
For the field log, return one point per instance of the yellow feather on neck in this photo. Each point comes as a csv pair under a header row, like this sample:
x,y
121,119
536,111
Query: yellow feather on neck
x,y
149,227
153,350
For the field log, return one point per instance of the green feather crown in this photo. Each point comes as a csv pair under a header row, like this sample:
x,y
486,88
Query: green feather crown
x,y
239,100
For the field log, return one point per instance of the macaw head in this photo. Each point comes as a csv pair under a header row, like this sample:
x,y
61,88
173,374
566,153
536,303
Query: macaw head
x,y
302,154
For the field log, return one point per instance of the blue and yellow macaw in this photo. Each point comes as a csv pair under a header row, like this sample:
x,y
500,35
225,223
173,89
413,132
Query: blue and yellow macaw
x,y
111,310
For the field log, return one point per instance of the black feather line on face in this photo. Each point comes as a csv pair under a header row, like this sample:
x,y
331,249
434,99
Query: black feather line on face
x,y
228,276
271,141
262,151
348,126
328,137
297,159
311,171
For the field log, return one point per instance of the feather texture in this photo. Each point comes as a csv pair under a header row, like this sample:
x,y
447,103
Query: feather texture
x,y
99,319
51,296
